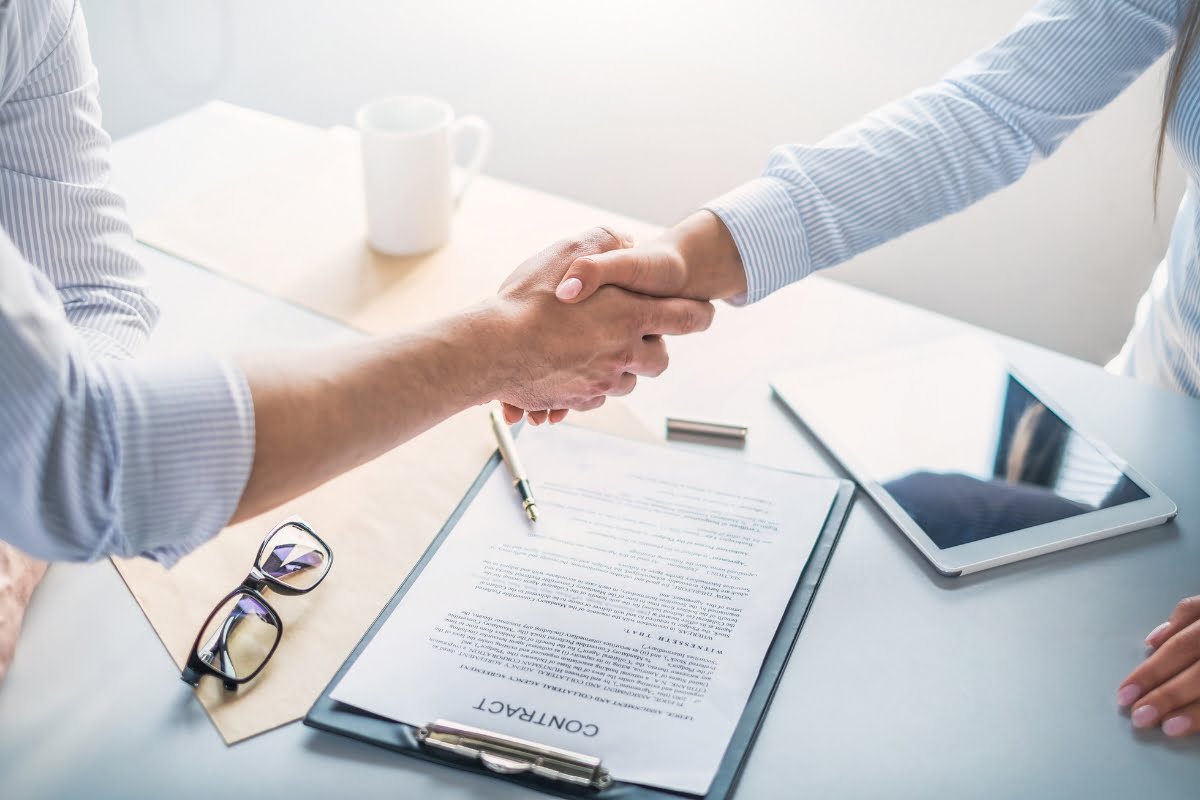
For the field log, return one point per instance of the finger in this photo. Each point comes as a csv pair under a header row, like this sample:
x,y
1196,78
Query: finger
x,y
537,417
657,272
590,404
512,414
558,415
623,385
622,238
675,316
1183,722
1163,703
1185,613
600,239
1176,654
650,359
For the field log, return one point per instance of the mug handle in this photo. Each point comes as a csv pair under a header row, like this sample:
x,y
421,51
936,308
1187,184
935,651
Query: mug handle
x,y
483,142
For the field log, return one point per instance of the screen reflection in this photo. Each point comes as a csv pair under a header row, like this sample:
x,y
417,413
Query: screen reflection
x,y
1041,471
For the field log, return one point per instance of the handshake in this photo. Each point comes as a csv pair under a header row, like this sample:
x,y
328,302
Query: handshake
x,y
584,319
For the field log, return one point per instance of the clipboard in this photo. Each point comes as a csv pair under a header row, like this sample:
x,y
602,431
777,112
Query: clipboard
x,y
551,770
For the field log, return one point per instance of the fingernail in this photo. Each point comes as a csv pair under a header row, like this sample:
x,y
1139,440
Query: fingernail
x,y
569,289
1176,726
1127,694
1144,716
1156,632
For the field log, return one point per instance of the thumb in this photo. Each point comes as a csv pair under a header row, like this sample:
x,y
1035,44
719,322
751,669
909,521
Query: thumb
x,y
648,270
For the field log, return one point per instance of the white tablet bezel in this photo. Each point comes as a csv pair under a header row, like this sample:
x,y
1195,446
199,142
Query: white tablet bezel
x,y
1004,548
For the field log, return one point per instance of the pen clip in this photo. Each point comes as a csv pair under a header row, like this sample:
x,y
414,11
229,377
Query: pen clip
x,y
508,755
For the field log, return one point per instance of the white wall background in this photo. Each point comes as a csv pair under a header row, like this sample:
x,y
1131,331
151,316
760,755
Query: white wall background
x,y
651,107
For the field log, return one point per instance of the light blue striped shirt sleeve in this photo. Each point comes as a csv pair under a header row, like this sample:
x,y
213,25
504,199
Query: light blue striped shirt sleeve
x,y
945,147
100,454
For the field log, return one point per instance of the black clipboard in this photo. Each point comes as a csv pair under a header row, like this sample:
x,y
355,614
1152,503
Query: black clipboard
x,y
332,716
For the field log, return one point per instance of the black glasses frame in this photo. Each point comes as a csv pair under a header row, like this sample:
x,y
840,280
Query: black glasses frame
x,y
253,585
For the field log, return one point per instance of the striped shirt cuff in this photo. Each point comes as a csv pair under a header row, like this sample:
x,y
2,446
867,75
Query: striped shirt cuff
x,y
182,434
766,226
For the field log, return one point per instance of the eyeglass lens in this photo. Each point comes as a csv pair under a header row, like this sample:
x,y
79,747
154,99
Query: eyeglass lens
x,y
294,557
239,637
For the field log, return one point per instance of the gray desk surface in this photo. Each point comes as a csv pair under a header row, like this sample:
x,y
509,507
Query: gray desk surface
x,y
903,683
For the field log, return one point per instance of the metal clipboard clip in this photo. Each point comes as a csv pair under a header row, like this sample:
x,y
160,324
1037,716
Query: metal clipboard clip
x,y
508,755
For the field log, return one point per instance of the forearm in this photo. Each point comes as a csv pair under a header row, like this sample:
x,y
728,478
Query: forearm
x,y
154,458
106,457
904,166
941,149
318,415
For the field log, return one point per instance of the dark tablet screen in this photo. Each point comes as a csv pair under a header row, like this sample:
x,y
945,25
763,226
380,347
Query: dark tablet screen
x,y
963,446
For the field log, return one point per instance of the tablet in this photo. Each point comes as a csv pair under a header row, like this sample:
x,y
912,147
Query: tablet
x,y
970,460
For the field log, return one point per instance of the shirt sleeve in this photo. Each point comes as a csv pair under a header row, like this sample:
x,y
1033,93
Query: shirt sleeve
x,y
103,456
99,454
65,217
945,147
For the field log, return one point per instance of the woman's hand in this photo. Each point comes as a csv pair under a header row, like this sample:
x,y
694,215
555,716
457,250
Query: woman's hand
x,y
697,259
1165,689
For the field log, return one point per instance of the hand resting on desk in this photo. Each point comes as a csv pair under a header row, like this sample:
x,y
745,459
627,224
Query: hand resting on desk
x,y
1165,689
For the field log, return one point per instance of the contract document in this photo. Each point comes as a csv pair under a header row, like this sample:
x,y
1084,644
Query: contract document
x,y
629,622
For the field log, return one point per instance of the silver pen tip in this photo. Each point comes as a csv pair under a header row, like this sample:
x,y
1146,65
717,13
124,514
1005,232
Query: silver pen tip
x,y
531,510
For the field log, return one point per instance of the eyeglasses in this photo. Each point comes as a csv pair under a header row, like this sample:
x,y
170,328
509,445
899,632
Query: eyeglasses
x,y
241,634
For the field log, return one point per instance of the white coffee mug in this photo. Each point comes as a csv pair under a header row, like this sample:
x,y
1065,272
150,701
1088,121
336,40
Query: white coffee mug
x,y
408,146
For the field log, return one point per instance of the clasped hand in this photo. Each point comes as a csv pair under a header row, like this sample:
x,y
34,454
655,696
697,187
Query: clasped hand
x,y
696,260
573,356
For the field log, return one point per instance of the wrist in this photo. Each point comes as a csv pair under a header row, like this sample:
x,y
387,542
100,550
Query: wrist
x,y
712,263
482,340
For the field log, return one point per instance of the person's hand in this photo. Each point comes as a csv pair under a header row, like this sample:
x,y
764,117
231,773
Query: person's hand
x,y
697,258
572,357
19,574
1165,689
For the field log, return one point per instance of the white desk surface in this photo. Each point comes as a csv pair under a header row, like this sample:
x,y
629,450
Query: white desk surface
x,y
902,684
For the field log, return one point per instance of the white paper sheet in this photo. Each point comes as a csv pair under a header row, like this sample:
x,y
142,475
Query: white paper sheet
x,y
630,622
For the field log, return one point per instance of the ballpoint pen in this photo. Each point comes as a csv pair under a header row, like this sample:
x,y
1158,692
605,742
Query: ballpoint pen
x,y
508,450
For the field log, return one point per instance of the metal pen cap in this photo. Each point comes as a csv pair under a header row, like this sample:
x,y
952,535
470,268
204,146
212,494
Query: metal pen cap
x,y
706,432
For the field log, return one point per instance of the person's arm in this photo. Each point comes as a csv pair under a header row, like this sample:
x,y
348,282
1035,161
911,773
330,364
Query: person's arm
x,y
61,212
319,415
132,457
907,164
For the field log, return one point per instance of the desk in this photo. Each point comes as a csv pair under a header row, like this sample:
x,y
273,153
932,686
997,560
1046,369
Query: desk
x,y
903,684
